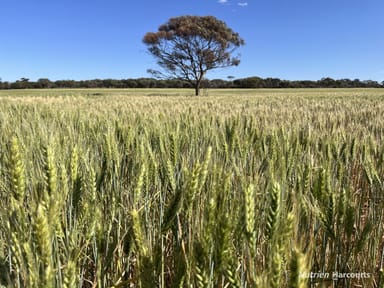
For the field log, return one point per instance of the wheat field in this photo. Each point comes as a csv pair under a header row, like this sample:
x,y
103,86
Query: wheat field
x,y
155,188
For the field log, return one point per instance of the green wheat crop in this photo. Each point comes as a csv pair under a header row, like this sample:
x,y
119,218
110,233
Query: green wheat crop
x,y
242,188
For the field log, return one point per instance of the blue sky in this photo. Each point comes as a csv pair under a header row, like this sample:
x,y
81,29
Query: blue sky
x,y
294,40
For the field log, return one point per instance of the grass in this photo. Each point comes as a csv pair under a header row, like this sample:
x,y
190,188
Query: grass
x,y
156,188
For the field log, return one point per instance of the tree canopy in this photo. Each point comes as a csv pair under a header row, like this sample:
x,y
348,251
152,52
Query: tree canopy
x,y
249,82
187,47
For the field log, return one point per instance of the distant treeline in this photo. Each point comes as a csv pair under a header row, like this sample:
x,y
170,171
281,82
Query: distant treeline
x,y
250,82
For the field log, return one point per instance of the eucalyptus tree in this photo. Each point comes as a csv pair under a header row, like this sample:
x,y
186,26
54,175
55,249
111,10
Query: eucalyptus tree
x,y
187,47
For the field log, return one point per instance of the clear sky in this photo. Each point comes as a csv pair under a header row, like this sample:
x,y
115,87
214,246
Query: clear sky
x,y
293,40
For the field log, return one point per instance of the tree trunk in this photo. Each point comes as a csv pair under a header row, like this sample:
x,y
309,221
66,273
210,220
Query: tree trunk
x,y
197,86
197,89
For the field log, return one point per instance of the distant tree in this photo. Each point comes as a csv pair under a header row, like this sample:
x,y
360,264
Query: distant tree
x,y
219,83
371,84
187,47
65,84
327,82
23,83
250,82
44,83
4,85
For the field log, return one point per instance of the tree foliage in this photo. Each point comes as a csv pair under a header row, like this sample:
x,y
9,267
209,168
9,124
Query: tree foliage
x,y
187,47
249,82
